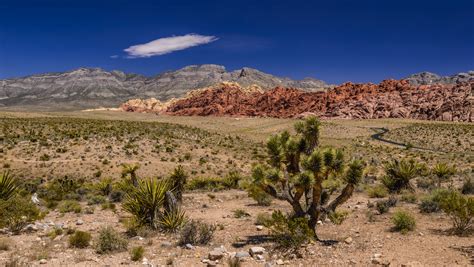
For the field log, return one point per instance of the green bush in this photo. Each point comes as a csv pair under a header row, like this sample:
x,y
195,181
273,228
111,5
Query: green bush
x,y
468,186
80,239
96,199
408,197
460,209
69,206
196,233
383,206
240,213
290,233
178,181
263,219
432,203
378,191
136,253
110,241
338,217
17,212
262,198
403,222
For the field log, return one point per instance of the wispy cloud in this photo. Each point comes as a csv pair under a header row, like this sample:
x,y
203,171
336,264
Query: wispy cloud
x,y
168,45
114,56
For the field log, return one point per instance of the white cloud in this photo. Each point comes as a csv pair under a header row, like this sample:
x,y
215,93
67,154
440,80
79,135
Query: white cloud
x,y
167,45
114,56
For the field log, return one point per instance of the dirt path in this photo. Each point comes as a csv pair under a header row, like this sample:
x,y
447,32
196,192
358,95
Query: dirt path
x,y
379,137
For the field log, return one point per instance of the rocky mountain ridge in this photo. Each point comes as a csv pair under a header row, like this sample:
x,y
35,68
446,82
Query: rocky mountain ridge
x,y
389,99
95,87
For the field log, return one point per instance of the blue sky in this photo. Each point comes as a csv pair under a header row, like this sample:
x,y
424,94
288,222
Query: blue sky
x,y
335,41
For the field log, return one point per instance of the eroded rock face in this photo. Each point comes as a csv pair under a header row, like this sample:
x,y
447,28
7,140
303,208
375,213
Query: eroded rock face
x,y
389,99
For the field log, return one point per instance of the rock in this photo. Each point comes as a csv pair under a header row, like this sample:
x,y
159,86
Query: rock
x,y
31,228
320,222
166,244
79,222
215,255
189,246
267,264
43,261
211,264
242,254
256,251
259,257
280,262
259,227
348,240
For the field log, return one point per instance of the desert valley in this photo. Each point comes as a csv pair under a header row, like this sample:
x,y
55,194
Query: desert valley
x,y
244,133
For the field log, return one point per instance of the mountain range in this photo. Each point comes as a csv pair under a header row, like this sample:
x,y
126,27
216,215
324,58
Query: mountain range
x,y
94,87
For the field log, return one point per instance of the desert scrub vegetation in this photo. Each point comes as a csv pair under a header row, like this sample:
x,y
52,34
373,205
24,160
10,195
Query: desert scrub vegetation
x,y
80,239
110,241
136,253
403,222
196,232
460,209
104,144
399,173
295,171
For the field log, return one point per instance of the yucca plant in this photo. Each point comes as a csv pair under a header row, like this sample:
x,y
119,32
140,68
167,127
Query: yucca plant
x,y
131,169
443,172
104,186
8,186
178,181
145,202
172,221
398,174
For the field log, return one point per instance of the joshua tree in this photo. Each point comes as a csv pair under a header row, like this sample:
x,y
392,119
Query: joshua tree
x,y
131,169
399,173
178,181
443,172
296,170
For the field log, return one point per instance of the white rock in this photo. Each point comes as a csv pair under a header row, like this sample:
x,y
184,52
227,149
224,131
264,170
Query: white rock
x,y
348,240
259,227
256,251
280,262
43,261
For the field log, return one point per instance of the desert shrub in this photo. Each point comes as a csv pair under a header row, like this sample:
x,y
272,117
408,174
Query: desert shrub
x,y
116,196
262,198
110,241
204,183
69,206
172,221
104,186
403,222
377,191
263,219
468,186
425,183
432,202
460,209
383,206
5,243
288,232
408,197
240,213
80,239
129,173
96,199
196,233
146,201
17,212
136,253
338,217
61,188
55,232
231,180
398,174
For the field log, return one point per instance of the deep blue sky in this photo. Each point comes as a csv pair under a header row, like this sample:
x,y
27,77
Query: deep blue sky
x,y
335,41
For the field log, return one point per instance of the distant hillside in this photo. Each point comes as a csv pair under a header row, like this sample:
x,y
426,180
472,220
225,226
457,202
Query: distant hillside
x,y
94,87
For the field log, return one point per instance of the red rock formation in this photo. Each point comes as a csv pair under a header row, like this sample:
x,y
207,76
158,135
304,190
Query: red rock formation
x,y
389,99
